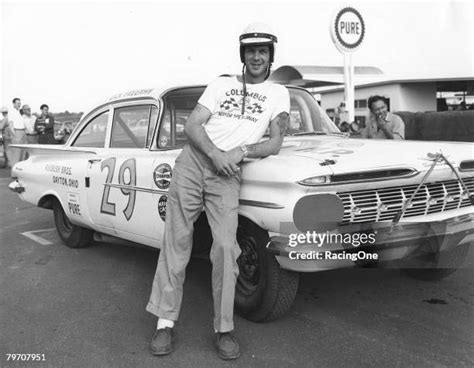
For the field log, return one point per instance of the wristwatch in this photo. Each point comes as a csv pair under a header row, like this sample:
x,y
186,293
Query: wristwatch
x,y
245,150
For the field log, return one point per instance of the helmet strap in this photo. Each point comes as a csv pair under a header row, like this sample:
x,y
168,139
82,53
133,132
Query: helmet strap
x,y
269,68
245,89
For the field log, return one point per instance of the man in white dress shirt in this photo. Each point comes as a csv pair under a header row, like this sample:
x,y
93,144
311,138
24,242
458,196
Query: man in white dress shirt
x,y
29,121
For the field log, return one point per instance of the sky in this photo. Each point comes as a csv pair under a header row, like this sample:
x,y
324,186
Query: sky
x,y
72,54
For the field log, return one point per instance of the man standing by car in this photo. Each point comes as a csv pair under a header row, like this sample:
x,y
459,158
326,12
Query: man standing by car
x,y
29,120
382,124
6,131
45,126
19,132
231,117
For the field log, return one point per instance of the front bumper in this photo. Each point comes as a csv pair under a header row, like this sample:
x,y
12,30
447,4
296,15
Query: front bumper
x,y
390,244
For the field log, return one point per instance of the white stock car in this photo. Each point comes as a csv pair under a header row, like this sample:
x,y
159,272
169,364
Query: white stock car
x,y
111,179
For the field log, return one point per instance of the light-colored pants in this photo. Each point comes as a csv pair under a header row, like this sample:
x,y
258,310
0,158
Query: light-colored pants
x,y
7,151
16,153
195,185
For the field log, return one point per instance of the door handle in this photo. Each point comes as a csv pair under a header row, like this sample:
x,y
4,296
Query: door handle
x,y
92,160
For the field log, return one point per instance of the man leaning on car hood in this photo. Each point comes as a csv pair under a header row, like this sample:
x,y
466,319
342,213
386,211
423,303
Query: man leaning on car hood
x,y
230,118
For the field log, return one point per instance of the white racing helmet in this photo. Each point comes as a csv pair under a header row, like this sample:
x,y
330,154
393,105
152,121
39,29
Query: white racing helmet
x,y
257,34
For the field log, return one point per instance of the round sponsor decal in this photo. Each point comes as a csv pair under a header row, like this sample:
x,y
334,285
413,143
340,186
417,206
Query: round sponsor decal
x,y
162,176
162,206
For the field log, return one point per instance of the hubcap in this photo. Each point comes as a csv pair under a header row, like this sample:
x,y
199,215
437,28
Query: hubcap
x,y
249,268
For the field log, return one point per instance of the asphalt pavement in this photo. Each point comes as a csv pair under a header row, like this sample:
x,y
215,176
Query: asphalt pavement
x,y
86,308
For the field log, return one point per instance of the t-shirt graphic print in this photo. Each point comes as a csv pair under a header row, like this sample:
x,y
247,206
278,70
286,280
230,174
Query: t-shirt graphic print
x,y
227,127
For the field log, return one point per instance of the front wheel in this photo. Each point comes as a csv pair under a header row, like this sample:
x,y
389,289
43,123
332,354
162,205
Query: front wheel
x,y
264,291
436,266
72,235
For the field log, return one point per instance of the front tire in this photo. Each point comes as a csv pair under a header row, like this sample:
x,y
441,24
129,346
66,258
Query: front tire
x,y
264,291
436,266
72,235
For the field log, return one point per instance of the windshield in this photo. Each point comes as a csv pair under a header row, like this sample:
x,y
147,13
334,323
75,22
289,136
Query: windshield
x,y
306,116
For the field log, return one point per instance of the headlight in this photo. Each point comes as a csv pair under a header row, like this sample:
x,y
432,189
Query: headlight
x,y
315,180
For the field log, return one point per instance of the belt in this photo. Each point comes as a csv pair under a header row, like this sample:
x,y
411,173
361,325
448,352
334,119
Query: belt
x,y
31,133
19,129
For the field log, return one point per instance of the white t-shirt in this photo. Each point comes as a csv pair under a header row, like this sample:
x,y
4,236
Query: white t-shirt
x,y
227,127
29,123
17,119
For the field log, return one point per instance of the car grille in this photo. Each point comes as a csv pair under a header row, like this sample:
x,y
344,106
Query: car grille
x,y
383,204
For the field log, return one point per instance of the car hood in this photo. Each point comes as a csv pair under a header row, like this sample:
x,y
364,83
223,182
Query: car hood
x,y
345,155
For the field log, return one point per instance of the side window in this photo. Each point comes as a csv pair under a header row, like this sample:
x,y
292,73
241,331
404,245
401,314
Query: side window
x,y
93,135
178,107
130,127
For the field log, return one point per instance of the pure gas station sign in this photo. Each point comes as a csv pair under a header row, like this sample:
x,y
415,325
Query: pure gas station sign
x,y
347,29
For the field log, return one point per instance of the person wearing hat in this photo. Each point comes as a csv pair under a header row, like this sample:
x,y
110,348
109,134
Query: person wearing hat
x,y
225,127
7,134
29,120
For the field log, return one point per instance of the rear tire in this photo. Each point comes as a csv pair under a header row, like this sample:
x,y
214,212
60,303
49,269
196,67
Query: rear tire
x,y
264,291
72,235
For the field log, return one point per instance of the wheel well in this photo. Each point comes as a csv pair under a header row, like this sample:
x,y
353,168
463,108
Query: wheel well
x,y
202,237
47,201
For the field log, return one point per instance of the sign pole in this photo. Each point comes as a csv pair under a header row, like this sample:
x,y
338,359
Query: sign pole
x,y
350,87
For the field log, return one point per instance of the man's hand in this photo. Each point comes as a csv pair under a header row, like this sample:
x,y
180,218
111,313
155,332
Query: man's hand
x,y
380,119
235,155
226,162
382,125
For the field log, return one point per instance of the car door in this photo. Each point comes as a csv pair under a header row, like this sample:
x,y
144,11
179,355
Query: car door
x,y
169,141
120,198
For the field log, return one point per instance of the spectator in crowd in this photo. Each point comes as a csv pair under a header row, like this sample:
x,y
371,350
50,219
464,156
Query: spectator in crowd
x,y
44,126
29,120
19,133
7,134
382,124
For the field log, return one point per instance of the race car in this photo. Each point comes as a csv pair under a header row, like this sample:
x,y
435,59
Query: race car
x,y
325,201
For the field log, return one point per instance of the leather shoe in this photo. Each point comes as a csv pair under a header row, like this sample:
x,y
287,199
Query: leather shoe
x,y
227,346
162,341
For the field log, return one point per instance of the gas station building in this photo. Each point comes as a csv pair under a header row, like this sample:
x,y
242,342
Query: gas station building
x,y
414,95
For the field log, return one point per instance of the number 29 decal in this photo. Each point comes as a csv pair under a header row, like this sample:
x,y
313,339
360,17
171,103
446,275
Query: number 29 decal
x,y
125,186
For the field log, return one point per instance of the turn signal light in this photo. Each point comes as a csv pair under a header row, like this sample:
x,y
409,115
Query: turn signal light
x,y
315,180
